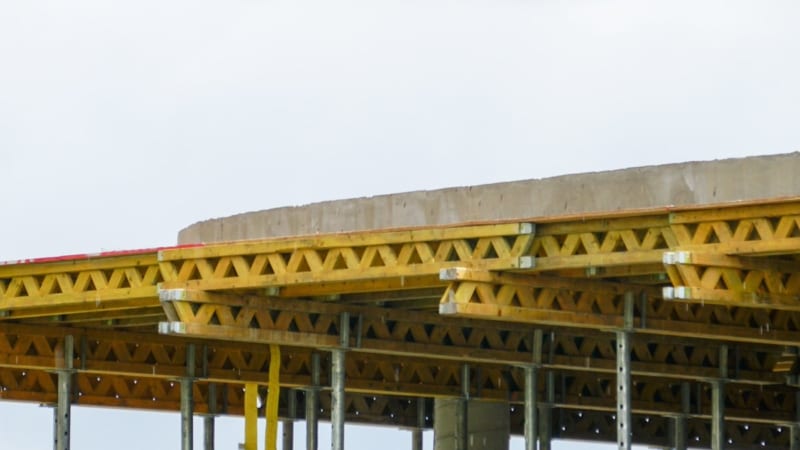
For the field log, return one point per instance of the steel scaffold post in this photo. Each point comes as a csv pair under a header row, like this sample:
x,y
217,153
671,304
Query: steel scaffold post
x,y
337,377
208,419
624,430
546,413
64,406
416,434
288,424
312,405
794,437
531,400
187,400
718,402
679,431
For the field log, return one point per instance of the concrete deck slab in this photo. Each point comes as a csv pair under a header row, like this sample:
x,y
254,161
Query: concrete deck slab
x,y
653,187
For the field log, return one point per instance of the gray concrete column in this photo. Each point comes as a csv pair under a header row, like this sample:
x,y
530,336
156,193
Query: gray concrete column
x,y
488,429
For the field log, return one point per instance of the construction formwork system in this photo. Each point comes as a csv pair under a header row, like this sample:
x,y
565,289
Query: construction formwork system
x,y
672,328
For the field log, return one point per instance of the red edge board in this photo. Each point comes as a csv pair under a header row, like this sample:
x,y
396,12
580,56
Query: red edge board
x,y
86,256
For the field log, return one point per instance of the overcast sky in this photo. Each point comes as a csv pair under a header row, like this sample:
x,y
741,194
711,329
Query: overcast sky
x,y
122,122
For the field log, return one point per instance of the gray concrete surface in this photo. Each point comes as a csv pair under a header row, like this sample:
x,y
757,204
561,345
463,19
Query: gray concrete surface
x,y
488,424
653,187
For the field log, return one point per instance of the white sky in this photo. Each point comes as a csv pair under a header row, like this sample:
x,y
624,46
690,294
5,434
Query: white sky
x,y
122,122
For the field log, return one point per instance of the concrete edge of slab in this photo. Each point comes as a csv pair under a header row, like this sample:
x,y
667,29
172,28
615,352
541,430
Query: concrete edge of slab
x,y
650,188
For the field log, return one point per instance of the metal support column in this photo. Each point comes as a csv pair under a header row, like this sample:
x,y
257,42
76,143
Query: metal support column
x,y
312,405
416,435
531,418
679,430
462,411
208,419
64,406
531,400
287,425
546,413
337,377
794,437
718,402
624,428
187,401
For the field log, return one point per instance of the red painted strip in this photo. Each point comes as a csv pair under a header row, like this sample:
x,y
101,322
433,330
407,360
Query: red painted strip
x,y
87,256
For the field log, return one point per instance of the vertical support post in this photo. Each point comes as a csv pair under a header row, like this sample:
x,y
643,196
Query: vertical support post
x,y
288,424
416,435
718,402
251,416
208,420
546,413
679,437
531,393
64,407
312,405
337,375
794,437
717,416
624,429
462,412
187,401
531,418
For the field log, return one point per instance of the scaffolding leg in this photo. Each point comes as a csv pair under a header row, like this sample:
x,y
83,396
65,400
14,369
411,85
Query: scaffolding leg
x,y
312,405
337,400
187,401
416,435
208,420
717,415
794,436
679,432
623,391
462,412
531,417
287,425
64,406
546,414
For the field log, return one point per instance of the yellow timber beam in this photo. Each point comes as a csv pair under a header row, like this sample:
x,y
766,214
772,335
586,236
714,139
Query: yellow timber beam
x,y
527,303
759,282
353,262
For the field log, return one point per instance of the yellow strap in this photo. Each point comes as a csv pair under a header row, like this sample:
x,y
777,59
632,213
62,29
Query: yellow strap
x,y
272,397
251,416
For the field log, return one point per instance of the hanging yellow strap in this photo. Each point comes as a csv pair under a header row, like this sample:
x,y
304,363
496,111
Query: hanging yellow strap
x,y
251,416
272,397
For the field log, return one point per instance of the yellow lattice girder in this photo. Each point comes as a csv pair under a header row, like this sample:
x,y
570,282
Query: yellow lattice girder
x,y
363,261
766,282
598,310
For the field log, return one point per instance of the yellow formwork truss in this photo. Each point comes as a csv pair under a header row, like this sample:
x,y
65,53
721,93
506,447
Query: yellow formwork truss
x,y
422,302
